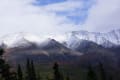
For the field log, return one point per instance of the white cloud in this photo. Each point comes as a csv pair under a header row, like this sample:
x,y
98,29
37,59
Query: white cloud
x,y
65,6
22,16
103,16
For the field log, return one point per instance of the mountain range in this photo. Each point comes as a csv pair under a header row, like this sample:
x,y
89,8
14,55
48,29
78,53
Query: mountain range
x,y
70,39
81,47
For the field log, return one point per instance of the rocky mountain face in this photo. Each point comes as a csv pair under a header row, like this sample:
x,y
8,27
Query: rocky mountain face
x,y
73,47
70,39
47,51
109,39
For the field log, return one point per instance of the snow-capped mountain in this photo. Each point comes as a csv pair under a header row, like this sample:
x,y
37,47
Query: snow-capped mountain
x,y
70,39
22,46
69,47
109,39
21,39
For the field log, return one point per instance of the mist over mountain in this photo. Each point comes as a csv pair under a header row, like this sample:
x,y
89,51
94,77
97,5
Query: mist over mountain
x,y
108,39
70,39
70,47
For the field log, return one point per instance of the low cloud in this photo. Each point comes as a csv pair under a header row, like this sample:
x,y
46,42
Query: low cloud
x,y
103,16
25,16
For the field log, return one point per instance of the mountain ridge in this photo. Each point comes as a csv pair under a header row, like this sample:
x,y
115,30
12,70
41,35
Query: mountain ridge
x,y
73,47
71,39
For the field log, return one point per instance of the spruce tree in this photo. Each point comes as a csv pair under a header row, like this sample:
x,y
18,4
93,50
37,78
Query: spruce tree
x,y
33,72
4,68
38,76
19,73
47,78
6,72
111,78
57,74
91,75
2,62
67,78
14,75
30,70
102,71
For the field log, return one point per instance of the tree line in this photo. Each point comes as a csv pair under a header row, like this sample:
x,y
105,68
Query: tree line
x,y
6,72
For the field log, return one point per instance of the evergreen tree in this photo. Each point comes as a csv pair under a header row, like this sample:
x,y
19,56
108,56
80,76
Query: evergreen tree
x,y
33,72
57,75
13,75
4,68
2,62
6,72
91,74
1,52
67,78
102,72
30,70
38,76
47,78
19,73
111,78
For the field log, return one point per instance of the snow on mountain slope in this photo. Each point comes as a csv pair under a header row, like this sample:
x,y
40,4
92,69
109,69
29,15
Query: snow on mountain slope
x,y
74,38
70,39
20,39
106,39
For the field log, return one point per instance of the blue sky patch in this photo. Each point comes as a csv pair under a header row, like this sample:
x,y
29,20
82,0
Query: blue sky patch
x,y
47,2
78,15
78,19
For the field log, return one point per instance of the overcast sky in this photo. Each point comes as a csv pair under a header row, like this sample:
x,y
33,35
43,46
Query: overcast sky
x,y
58,16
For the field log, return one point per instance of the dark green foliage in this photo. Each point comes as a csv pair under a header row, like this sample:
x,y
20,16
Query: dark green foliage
x,y
14,76
5,72
33,71
30,71
111,78
1,52
47,78
19,73
38,76
91,75
102,71
5,69
99,73
57,74
67,78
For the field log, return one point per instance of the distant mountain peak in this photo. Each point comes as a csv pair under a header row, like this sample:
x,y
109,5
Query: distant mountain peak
x,y
70,39
107,39
20,39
